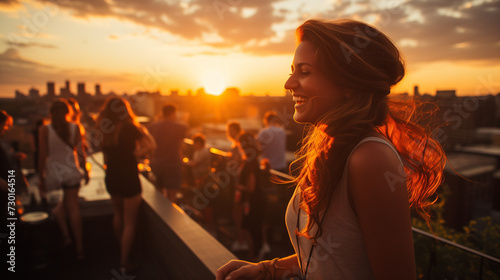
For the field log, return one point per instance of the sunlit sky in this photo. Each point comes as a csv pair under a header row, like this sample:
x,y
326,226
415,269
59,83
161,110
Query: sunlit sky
x,y
133,45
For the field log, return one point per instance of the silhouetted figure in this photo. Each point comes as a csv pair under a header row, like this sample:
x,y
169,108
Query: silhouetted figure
x,y
200,167
252,196
272,140
10,169
166,162
124,141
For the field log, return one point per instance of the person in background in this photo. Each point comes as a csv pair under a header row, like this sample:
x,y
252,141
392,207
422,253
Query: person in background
x,y
34,140
61,162
9,164
252,196
124,141
200,168
166,162
233,167
272,140
364,162
200,164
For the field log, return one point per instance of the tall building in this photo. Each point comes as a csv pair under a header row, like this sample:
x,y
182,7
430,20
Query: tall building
x,y
51,92
98,90
416,92
81,89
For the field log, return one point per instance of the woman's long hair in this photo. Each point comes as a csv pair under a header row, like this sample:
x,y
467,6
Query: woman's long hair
x,y
359,58
59,114
115,112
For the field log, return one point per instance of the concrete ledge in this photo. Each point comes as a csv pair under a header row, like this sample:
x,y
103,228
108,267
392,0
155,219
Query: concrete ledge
x,y
181,248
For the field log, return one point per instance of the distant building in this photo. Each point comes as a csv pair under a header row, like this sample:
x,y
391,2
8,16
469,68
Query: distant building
x,y
231,92
416,92
20,95
446,94
81,90
98,90
51,92
66,91
470,198
34,93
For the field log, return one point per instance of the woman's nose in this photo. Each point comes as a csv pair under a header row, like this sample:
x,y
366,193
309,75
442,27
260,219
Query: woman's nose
x,y
291,83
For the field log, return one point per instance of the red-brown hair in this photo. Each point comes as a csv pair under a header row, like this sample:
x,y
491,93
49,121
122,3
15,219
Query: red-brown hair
x,y
116,111
364,61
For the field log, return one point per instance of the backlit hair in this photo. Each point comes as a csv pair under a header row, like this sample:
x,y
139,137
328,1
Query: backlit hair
x,y
363,61
60,111
115,112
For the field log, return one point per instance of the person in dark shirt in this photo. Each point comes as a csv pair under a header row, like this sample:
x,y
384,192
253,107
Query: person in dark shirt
x,y
252,195
124,140
166,162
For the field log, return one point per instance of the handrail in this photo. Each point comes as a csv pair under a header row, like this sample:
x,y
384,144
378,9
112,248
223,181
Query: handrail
x,y
451,243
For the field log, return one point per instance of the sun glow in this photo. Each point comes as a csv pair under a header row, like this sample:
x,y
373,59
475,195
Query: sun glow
x,y
214,82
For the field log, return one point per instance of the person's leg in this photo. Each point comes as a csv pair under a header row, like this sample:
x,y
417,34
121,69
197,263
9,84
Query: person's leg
x,y
117,216
131,209
59,213
73,209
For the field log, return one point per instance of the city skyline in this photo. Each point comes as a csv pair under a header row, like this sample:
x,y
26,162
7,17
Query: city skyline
x,y
186,45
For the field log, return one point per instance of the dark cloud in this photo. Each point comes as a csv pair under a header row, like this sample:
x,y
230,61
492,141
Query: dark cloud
x,y
8,2
190,20
17,70
445,30
449,30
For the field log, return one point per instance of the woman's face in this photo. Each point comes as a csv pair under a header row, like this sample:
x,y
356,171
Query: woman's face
x,y
313,92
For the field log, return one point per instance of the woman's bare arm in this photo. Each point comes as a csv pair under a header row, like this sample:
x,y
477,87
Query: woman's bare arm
x,y
82,155
380,201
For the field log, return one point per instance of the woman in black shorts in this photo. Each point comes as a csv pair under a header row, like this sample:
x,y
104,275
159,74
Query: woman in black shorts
x,y
124,140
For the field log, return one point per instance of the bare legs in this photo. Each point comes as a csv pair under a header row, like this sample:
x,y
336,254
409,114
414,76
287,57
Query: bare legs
x,y
124,224
69,207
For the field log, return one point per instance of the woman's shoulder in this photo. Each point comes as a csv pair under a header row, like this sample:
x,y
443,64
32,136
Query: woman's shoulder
x,y
373,153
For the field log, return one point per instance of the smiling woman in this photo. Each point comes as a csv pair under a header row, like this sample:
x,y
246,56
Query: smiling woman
x,y
214,82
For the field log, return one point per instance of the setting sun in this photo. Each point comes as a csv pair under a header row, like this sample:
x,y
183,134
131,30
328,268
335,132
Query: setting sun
x,y
214,82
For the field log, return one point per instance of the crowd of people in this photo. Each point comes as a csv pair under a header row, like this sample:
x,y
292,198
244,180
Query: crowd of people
x,y
62,144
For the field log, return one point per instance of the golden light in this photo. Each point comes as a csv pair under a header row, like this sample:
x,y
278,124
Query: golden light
x,y
214,82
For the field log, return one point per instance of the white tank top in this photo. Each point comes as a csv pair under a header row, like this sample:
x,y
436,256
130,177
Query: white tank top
x,y
62,167
340,252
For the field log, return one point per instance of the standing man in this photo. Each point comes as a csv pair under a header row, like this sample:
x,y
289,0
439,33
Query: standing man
x,y
166,162
272,140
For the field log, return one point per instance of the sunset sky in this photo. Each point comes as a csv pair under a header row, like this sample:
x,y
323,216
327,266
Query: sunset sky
x,y
133,45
